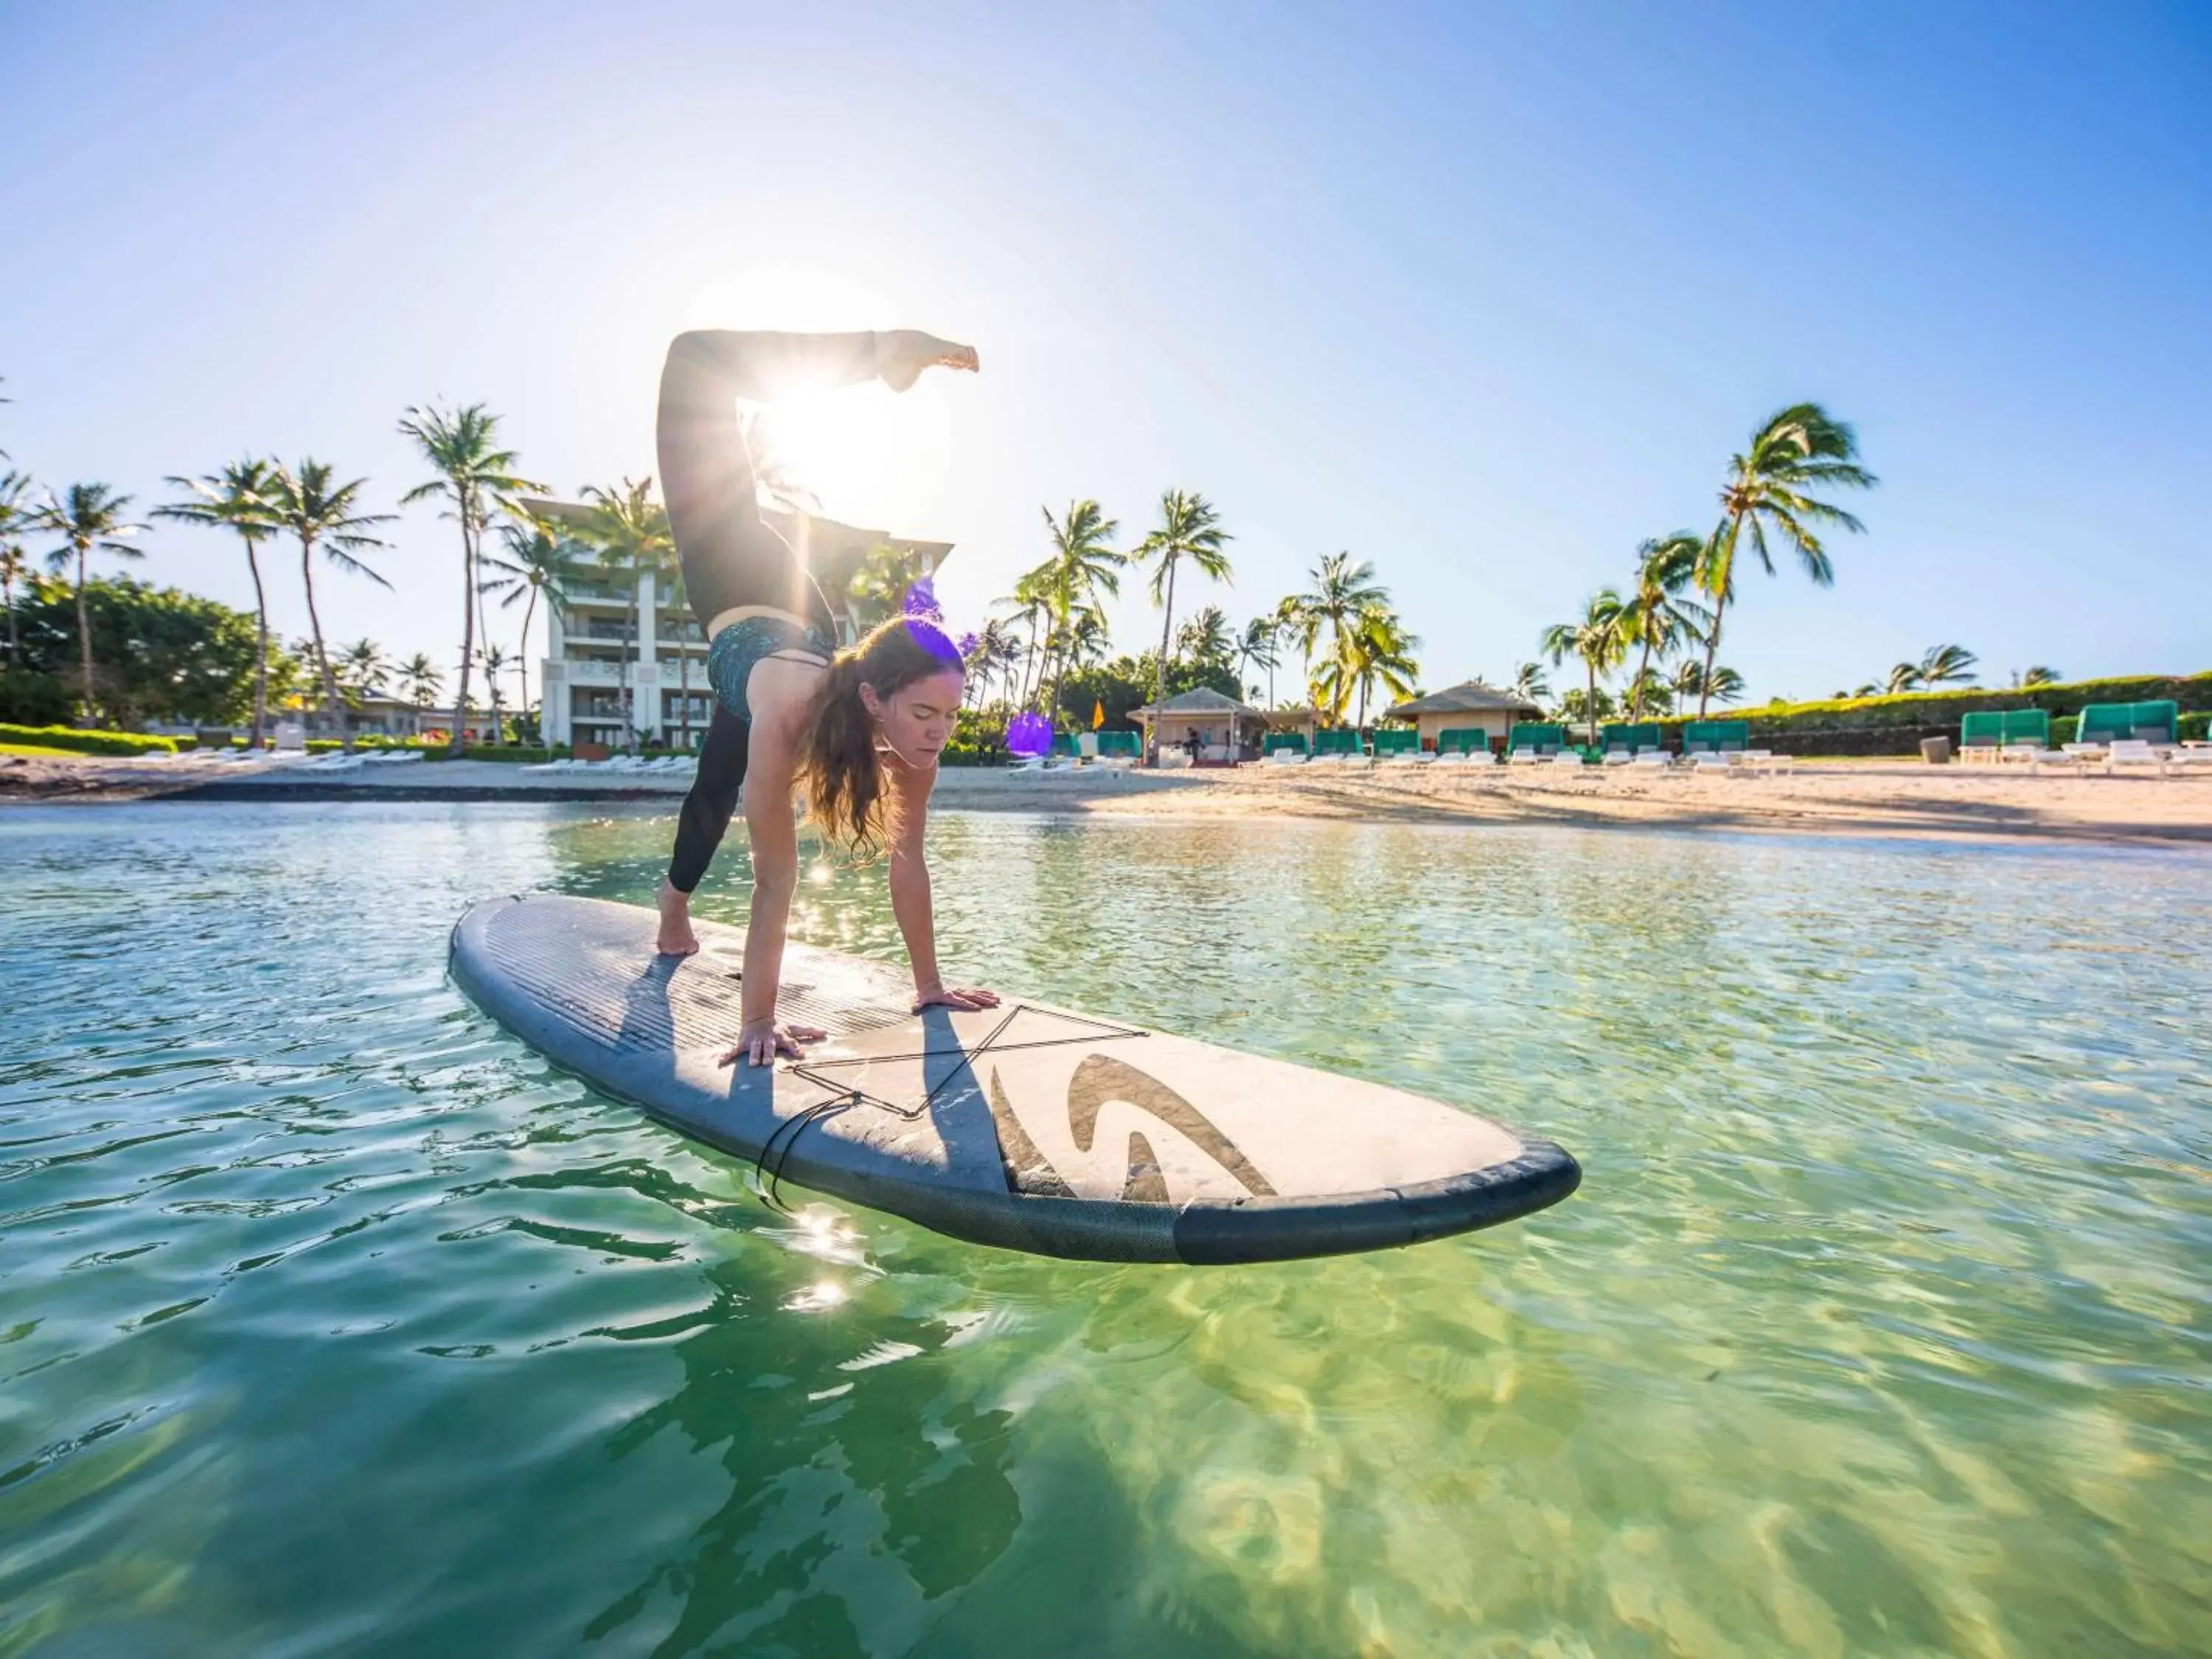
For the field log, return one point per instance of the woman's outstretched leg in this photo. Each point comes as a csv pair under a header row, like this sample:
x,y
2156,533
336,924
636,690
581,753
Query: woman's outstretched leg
x,y
701,824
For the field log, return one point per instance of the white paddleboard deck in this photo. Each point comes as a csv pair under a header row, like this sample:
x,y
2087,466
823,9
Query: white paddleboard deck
x,y
1026,1125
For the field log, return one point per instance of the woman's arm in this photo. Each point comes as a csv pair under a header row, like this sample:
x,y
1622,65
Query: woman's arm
x,y
911,903
776,879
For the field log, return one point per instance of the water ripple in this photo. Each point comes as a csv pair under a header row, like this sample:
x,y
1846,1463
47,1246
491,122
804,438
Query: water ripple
x,y
333,1320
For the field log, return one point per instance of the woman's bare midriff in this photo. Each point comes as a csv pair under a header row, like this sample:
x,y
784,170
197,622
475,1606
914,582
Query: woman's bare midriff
x,y
737,613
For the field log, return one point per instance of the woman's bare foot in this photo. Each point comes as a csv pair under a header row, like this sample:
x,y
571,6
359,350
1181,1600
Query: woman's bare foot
x,y
902,353
677,938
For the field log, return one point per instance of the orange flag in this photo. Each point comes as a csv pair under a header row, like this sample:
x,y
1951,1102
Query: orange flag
x,y
1097,714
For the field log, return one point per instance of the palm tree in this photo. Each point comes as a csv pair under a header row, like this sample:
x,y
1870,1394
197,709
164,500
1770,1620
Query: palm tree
x,y
15,518
1651,690
89,519
237,499
1530,685
495,661
996,650
2028,679
1083,564
1031,600
1206,638
321,514
1656,616
1341,590
1798,449
879,587
1947,665
1257,648
539,561
1379,648
629,532
1903,677
422,677
1722,684
364,668
1600,639
473,476
1189,529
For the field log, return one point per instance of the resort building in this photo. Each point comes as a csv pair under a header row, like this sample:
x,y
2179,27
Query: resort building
x,y
1464,707
1223,729
604,638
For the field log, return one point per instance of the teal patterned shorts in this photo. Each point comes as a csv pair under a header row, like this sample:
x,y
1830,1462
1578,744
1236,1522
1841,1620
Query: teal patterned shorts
x,y
731,656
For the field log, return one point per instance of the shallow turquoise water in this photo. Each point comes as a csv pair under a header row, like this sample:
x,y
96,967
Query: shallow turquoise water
x,y
333,1320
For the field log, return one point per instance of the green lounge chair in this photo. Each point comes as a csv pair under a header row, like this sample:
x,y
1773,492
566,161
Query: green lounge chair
x,y
1531,741
2144,722
1399,747
1120,749
2026,733
1982,735
1464,745
1619,744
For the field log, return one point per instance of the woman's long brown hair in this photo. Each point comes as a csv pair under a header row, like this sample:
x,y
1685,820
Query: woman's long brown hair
x,y
838,761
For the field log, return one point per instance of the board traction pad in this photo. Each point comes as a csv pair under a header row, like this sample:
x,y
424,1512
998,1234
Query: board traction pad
x,y
912,1115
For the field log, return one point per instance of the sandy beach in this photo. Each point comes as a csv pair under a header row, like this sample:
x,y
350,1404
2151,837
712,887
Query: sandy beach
x,y
1882,798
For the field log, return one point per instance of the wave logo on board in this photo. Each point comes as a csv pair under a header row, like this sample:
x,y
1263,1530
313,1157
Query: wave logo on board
x,y
1098,1080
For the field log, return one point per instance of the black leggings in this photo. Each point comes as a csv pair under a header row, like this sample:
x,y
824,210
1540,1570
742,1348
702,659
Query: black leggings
x,y
731,557
705,815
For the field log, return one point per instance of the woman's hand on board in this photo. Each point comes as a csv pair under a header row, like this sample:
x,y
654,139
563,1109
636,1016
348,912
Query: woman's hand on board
x,y
763,1042
960,999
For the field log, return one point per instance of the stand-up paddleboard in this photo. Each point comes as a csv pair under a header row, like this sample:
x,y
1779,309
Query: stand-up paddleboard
x,y
1023,1126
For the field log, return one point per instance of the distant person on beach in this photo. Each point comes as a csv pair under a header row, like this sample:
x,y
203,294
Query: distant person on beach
x,y
860,729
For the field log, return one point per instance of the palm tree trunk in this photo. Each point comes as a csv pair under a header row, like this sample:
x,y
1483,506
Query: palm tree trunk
x,y
15,644
1642,667
1160,675
331,704
261,653
522,663
1720,606
459,742
1589,709
84,635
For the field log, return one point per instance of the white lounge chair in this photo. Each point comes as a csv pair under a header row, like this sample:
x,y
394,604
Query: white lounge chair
x,y
1286,757
1617,754
1652,760
2133,752
1565,758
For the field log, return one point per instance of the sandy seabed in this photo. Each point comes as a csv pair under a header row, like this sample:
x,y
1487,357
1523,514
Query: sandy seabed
x,y
1857,798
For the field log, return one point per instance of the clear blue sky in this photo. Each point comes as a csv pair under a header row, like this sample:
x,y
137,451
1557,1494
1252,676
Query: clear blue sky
x,y
1486,294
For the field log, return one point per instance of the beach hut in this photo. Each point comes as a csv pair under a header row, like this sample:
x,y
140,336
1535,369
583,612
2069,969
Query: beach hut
x,y
1226,729
1468,706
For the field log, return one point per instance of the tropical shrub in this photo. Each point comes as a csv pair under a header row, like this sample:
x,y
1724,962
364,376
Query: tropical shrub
x,y
159,653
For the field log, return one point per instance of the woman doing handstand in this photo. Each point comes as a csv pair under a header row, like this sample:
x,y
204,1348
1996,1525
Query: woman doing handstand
x,y
860,729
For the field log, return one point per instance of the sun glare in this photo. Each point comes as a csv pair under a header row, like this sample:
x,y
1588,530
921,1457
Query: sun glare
x,y
864,454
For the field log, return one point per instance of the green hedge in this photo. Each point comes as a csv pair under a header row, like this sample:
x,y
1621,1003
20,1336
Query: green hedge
x,y
1935,708
88,743
1895,725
